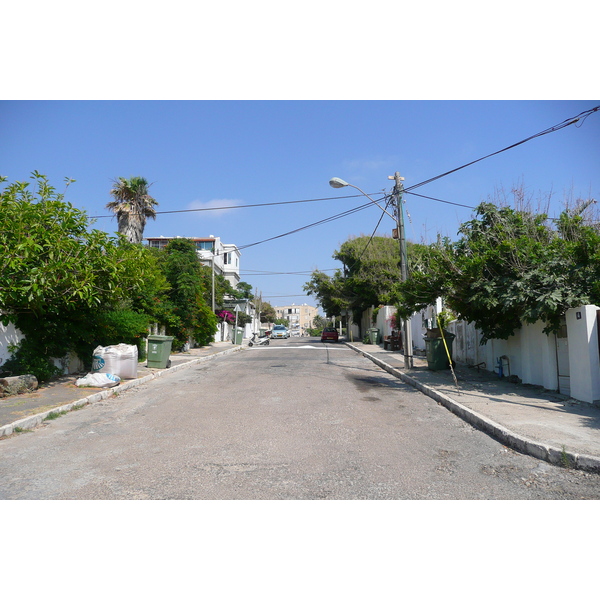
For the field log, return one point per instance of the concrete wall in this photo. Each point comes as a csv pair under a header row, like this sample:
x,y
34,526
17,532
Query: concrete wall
x,y
8,336
530,354
584,356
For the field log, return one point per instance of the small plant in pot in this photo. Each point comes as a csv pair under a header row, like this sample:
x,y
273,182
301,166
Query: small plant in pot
x,y
444,318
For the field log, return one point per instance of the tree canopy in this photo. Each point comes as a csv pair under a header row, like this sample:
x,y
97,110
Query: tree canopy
x,y
132,205
509,267
66,288
51,262
187,311
370,275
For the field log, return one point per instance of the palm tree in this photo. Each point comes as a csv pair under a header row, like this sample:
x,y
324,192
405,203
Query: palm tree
x,y
132,205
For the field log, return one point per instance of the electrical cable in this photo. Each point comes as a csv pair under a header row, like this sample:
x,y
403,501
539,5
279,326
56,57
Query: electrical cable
x,y
438,200
562,125
327,220
170,212
566,123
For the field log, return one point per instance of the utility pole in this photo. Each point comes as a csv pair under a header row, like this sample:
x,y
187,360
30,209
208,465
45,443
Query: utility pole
x,y
398,189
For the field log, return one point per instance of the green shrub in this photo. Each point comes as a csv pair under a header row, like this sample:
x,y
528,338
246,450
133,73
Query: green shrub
x,y
28,359
124,326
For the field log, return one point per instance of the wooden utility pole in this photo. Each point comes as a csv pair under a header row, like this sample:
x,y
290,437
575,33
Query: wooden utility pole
x,y
398,189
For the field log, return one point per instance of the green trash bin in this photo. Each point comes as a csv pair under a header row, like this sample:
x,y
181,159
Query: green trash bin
x,y
437,357
239,336
159,350
374,335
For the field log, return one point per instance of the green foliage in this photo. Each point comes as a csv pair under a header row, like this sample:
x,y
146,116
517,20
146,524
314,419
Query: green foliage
x,y
58,278
370,277
320,322
243,319
187,313
122,326
267,313
132,205
244,290
509,267
27,359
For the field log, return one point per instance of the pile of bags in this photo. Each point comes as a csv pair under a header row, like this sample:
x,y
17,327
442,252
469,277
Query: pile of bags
x,y
110,364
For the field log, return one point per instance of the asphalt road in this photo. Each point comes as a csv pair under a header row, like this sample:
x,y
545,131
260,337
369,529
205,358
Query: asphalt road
x,y
295,420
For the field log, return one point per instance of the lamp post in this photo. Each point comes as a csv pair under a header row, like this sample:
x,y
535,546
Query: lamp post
x,y
336,182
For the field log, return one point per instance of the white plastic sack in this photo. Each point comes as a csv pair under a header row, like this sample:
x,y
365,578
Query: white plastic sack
x,y
101,380
121,360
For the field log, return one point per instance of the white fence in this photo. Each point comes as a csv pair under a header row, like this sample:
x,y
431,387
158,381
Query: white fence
x,y
568,362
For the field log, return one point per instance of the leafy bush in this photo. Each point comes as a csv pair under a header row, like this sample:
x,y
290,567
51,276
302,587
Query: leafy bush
x,y
123,326
27,360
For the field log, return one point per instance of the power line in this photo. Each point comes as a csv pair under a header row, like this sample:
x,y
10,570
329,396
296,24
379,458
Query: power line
x,y
567,122
170,212
438,200
552,129
322,221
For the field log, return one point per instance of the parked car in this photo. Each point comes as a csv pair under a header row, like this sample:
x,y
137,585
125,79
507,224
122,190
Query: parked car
x,y
329,334
280,331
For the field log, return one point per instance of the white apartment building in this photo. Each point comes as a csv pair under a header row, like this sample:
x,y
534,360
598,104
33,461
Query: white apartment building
x,y
224,258
299,316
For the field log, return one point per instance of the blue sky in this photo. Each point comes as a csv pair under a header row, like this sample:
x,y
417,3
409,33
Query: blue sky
x,y
280,98
203,154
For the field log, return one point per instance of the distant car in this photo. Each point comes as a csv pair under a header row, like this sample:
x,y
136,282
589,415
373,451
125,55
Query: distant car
x,y
280,331
329,335
295,333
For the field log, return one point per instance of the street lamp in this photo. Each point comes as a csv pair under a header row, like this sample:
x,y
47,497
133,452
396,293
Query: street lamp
x,y
336,182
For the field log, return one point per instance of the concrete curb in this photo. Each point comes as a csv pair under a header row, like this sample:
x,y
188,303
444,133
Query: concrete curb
x,y
34,420
555,456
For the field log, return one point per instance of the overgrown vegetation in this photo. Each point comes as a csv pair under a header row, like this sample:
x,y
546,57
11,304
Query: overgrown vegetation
x,y
187,313
369,277
68,288
509,267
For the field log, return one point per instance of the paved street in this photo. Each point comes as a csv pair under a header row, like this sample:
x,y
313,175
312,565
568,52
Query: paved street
x,y
295,420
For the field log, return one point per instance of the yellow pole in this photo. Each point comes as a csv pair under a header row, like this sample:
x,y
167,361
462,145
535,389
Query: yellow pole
x,y
447,350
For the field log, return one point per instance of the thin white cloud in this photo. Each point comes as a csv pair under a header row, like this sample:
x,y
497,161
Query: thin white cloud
x,y
213,208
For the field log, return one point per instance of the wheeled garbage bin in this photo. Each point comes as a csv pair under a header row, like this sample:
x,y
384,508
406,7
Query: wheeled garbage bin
x,y
374,335
159,350
437,357
239,336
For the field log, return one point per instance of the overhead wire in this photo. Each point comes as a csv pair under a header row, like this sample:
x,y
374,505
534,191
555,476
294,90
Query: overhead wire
x,y
322,221
261,204
566,123
580,118
562,125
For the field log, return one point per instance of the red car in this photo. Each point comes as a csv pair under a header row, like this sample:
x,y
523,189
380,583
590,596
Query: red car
x,y
329,335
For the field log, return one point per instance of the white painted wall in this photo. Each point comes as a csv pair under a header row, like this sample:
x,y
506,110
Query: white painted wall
x,y
8,336
584,360
531,354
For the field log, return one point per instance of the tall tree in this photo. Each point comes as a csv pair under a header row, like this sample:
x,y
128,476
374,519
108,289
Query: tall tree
x,y
191,316
509,267
132,205
371,276
61,282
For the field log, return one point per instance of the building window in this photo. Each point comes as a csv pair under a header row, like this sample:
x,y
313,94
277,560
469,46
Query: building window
x,y
157,243
205,246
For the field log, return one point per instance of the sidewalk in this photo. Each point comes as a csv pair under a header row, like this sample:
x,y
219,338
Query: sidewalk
x,y
26,411
527,418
